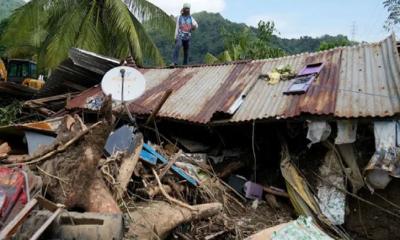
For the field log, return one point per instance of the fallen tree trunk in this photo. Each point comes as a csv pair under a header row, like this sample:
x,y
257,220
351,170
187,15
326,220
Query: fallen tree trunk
x,y
71,175
100,199
82,188
157,219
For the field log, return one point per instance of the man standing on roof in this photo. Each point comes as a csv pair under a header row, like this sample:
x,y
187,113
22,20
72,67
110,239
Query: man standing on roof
x,y
185,24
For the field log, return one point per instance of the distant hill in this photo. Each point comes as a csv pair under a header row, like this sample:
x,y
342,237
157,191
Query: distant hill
x,y
7,6
208,38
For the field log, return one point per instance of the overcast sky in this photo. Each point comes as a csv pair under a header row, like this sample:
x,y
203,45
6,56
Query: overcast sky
x,y
295,18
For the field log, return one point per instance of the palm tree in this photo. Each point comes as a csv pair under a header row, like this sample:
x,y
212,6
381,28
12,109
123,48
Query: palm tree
x,y
46,29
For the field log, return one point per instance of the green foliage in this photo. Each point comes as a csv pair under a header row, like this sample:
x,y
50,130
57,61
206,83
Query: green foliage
x,y
9,114
209,38
102,26
3,25
393,7
206,39
333,43
245,44
210,59
7,6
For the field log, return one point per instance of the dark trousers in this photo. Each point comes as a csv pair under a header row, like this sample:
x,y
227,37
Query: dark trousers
x,y
179,43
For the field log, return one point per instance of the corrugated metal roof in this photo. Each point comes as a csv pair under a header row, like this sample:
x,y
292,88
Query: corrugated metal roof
x,y
81,70
359,81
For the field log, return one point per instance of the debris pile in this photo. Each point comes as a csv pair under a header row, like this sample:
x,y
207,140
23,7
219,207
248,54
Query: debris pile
x,y
93,175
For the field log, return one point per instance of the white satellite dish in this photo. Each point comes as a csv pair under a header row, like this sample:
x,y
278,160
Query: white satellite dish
x,y
126,80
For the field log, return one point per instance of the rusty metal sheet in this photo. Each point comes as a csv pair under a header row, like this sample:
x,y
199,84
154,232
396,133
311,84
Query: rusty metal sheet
x,y
49,126
80,71
359,81
267,101
198,92
320,99
369,81
81,100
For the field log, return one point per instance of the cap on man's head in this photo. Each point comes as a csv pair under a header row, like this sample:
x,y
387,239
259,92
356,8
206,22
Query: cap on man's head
x,y
186,5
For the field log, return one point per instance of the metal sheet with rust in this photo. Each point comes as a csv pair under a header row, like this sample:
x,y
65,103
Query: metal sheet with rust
x,y
359,81
49,126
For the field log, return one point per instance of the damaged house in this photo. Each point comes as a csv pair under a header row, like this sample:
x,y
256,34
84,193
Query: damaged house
x,y
318,140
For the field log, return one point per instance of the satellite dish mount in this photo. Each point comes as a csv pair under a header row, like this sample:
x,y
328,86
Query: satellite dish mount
x,y
124,84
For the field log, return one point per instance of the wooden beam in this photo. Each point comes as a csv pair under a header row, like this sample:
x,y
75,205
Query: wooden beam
x,y
159,106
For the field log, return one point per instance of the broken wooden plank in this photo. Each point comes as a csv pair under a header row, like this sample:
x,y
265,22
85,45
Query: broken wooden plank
x,y
169,165
276,191
5,148
177,170
12,226
42,101
128,166
230,168
159,106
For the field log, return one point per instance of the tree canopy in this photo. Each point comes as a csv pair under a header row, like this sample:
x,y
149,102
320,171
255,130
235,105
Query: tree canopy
x,y
393,7
340,41
209,38
47,29
244,44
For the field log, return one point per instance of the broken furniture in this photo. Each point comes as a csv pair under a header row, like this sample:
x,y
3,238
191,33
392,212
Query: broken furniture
x,y
16,189
151,156
10,229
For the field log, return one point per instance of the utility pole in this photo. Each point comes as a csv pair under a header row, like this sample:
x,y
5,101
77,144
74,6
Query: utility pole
x,y
353,31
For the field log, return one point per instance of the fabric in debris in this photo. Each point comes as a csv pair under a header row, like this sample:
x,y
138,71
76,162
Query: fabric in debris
x,y
303,228
94,103
385,134
332,201
347,132
192,170
318,131
385,163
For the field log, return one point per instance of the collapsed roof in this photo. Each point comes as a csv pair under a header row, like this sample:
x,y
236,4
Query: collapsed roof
x,y
357,81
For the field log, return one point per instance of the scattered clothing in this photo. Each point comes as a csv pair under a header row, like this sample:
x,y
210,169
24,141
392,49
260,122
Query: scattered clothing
x,y
347,132
318,131
385,162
